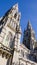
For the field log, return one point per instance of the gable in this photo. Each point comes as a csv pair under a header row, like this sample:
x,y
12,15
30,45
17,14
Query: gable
x,y
10,14
8,23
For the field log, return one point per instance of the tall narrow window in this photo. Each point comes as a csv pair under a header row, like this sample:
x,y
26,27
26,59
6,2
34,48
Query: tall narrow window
x,y
15,15
22,53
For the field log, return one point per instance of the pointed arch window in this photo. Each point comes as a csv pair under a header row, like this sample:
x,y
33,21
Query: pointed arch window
x,y
15,15
22,53
27,34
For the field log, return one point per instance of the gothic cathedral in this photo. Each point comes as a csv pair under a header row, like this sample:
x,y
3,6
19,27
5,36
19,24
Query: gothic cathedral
x,y
12,51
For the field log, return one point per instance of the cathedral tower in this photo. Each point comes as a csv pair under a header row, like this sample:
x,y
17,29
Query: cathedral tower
x,y
29,37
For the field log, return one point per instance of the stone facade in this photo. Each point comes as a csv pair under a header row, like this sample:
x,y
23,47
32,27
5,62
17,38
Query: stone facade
x,y
12,52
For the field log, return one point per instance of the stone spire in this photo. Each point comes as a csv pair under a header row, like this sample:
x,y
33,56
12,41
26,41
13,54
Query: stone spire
x,y
29,25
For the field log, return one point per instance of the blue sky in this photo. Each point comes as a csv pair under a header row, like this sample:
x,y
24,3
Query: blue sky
x,y
28,9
